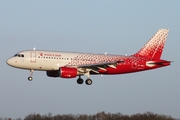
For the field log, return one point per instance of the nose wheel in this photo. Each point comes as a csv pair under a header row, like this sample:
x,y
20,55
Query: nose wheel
x,y
30,78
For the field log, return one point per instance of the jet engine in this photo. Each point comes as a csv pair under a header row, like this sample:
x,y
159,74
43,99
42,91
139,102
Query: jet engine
x,y
63,72
53,73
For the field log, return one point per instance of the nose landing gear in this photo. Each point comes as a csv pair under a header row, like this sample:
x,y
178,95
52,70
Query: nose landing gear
x,y
30,78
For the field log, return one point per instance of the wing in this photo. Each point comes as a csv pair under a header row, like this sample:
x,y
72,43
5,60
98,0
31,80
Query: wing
x,y
99,66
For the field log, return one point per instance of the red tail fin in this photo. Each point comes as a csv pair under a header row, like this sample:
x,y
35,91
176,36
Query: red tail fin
x,y
154,47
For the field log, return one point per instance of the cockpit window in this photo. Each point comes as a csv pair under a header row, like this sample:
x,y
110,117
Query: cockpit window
x,y
18,55
15,55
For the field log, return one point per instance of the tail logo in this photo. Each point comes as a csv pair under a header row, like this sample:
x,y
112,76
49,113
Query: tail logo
x,y
154,47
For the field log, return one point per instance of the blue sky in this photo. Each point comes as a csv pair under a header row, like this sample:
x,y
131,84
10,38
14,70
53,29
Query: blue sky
x,y
115,27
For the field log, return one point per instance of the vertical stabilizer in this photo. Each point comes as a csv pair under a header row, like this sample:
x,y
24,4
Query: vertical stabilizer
x,y
154,47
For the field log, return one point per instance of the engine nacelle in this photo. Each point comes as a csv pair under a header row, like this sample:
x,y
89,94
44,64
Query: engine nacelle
x,y
68,72
63,72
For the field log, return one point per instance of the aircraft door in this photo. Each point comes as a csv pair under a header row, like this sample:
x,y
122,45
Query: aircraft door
x,y
33,57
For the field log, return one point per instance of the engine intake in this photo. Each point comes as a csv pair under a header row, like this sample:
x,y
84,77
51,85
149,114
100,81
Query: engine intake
x,y
53,73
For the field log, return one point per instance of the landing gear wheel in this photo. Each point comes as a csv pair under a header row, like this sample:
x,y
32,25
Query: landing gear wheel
x,y
80,81
88,81
30,78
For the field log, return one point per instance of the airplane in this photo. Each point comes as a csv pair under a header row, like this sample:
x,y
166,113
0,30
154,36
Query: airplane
x,y
73,64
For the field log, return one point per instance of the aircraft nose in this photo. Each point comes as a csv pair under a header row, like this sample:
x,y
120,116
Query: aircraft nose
x,y
9,62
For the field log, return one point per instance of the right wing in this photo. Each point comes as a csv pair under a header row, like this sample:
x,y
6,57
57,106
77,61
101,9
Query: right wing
x,y
98,66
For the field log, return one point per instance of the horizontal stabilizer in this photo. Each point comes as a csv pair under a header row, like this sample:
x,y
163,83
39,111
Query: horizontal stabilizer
x,y
161,63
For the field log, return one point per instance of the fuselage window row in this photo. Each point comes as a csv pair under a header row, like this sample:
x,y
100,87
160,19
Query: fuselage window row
x,y
65,58
55,58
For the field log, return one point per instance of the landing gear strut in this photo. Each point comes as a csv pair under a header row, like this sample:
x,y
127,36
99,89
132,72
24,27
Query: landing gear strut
x,y
30,78
88,80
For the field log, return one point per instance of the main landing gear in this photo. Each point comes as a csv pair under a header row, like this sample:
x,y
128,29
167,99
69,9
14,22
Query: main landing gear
x,y
30,78
80,81
88,80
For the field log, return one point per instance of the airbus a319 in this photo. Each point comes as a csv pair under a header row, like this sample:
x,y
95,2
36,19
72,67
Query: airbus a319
x,y
73,64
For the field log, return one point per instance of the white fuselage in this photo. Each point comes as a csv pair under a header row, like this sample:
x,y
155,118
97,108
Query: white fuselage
x,y
52,60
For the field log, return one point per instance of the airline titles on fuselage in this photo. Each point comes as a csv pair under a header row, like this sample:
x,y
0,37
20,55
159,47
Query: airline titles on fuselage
x,y
49,55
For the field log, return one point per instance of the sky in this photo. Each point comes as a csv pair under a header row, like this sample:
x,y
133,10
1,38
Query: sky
x,y
115,27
